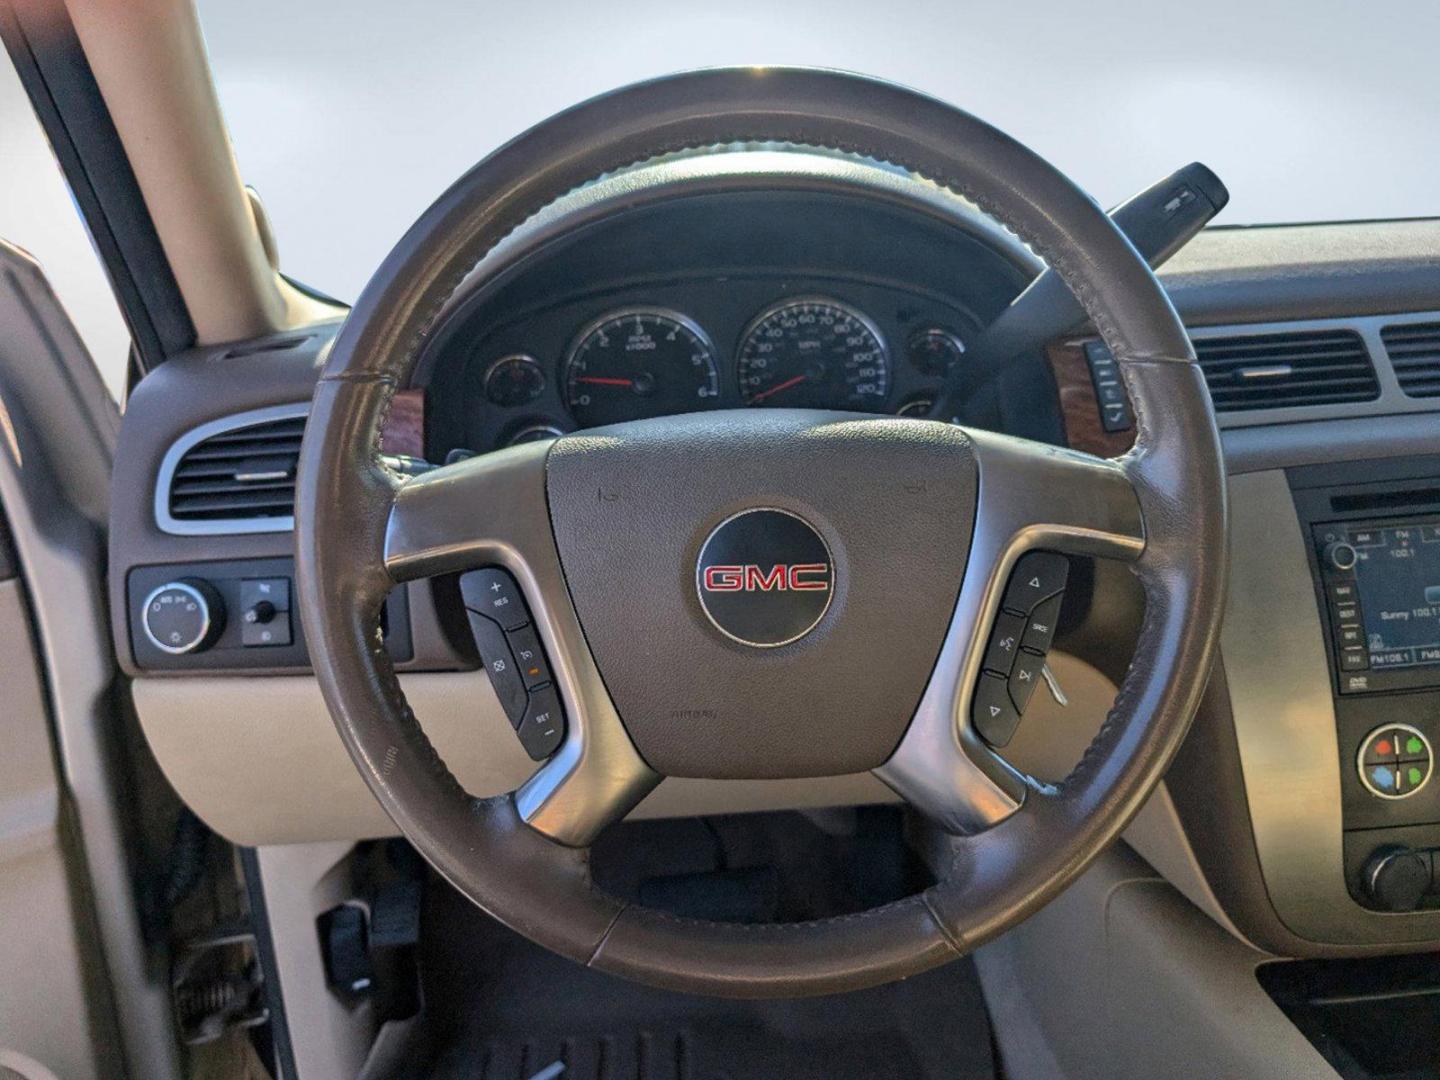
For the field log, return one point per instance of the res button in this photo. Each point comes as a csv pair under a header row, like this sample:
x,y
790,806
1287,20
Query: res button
x,y
493,592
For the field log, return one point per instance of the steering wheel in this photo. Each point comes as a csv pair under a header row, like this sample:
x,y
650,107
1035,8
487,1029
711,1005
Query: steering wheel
x,y
896,536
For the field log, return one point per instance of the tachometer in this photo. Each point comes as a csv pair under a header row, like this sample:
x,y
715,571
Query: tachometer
x,y
814,353
639,362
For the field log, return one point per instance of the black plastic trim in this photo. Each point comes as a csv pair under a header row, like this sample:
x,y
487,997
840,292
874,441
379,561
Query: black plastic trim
x,y
265,944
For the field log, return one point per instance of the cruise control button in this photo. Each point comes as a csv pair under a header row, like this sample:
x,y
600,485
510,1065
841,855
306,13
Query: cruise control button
x,y
529,657
993,714
543,728
1025,678
493,592
500,666
1004,643
1038,576
1040,628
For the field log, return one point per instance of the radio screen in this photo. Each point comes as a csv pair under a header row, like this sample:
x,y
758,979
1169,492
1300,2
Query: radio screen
x,y
1397,577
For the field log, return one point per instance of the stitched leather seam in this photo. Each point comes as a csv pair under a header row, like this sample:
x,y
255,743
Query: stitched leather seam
x,y
956,942
600,945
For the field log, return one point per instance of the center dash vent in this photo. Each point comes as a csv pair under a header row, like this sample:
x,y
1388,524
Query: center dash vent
x,y
1281,371
234,475
1414,351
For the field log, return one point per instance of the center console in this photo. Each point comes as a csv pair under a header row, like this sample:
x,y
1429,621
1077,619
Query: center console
x,y
1374,533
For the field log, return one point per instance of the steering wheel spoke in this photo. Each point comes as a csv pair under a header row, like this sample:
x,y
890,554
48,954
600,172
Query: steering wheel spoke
x,y
491,511
1032,497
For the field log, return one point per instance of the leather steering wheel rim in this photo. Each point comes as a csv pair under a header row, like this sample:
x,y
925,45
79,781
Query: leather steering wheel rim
x,y
346,563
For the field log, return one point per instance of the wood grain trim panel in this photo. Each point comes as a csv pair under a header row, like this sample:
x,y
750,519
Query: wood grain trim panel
x,y
1079,408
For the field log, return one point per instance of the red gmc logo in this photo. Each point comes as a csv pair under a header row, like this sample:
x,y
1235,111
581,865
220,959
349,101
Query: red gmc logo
x,y
798,577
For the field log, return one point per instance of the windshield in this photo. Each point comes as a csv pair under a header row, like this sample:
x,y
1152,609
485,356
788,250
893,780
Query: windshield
x,y
350,118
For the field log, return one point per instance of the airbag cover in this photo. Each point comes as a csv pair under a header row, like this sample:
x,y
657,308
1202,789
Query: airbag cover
x,y
893,502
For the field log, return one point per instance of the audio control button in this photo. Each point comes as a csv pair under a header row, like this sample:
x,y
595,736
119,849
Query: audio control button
x,y
1004,643
1038,576
1342,556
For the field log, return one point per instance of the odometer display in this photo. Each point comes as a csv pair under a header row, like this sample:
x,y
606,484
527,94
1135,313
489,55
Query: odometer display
x,y
639,362
814,353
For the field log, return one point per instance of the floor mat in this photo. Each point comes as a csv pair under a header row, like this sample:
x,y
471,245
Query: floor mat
x,y
513,1009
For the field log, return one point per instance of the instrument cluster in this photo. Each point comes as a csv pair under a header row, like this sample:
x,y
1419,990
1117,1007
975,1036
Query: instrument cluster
x,y
844,345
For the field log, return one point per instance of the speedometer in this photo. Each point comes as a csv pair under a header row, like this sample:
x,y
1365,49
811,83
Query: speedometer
x,y
814,353
639,362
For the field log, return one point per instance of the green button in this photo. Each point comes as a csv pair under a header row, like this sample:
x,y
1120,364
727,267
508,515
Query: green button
x,y
1414,774
1413,745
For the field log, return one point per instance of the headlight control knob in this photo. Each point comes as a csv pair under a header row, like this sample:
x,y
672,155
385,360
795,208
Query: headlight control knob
x,y
183,616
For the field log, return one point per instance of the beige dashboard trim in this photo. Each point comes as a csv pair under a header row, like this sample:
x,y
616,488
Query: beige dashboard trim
x,y
260,761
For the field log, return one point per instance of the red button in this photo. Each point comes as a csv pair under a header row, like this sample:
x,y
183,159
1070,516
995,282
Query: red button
x,y
1383,748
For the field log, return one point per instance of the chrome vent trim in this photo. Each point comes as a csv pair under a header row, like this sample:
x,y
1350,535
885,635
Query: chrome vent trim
x,y
1414,352
246,473
1287,369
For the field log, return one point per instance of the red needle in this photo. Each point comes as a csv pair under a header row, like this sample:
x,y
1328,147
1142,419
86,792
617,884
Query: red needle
x,y
603,380
793,381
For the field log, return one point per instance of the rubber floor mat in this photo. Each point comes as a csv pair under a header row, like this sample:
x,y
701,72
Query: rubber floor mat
x,y
501,1008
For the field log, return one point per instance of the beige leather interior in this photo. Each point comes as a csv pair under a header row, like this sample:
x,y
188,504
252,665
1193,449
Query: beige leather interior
x,y
44,919
260,761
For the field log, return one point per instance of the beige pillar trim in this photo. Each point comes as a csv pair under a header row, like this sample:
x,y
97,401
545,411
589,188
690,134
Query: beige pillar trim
x,y
148,58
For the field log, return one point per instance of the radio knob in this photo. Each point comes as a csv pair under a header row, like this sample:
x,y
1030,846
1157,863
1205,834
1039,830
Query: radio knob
x,y
183,616
1342,556
1396,878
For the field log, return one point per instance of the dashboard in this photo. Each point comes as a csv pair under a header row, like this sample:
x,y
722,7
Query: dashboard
x,y
726,300
1305,791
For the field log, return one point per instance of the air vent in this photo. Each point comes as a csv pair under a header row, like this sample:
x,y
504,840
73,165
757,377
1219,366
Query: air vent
x,y
1414,351
233,475
1281,371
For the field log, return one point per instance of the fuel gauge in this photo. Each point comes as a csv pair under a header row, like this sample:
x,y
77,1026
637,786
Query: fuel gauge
x,y
935,351
514,380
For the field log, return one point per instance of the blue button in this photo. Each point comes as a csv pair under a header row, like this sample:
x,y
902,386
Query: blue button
x,y
1382,776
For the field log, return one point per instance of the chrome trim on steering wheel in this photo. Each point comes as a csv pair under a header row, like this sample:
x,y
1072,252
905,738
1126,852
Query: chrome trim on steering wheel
x,y
491,511
1031,496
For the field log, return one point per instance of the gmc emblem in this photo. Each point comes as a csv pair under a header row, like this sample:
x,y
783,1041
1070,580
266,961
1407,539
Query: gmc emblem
x,y
799,577
765,577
